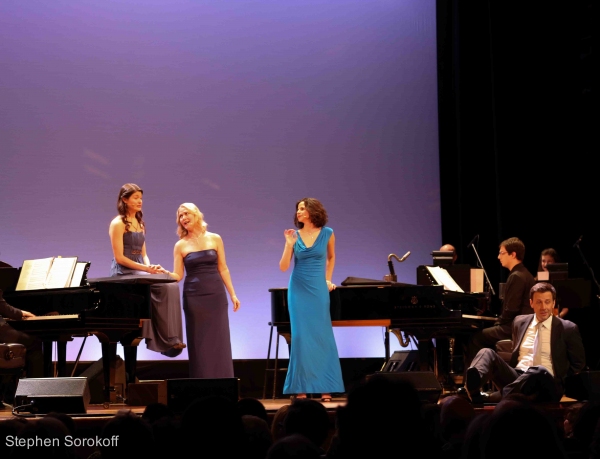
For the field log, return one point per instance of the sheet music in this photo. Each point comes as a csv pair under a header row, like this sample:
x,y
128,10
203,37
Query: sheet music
x,y
61,272
476,280
33,274
78,274
442,277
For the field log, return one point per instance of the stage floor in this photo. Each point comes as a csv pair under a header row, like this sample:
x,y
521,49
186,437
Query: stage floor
x,y
98,411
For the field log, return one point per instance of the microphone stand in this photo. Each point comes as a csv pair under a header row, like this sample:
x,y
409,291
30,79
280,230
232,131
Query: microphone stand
x,y
484,271
586,264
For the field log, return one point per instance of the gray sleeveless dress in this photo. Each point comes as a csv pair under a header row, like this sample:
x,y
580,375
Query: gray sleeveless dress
x,y
165,329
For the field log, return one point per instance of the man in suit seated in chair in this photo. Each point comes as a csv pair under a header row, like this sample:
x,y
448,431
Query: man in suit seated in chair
x,y
545,350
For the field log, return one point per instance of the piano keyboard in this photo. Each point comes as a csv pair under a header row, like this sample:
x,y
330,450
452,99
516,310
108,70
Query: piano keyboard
x,y
481,318
58,316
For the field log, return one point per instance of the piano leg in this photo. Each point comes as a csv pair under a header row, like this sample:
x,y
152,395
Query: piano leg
x,y
61,359
423,348
109,355
386,342
451,342
47,351
130,354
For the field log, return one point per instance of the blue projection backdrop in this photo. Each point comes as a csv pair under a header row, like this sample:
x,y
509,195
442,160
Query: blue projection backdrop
x,y
241,107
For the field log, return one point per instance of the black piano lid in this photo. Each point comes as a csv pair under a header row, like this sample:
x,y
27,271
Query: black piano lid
x,y
48,292
363,281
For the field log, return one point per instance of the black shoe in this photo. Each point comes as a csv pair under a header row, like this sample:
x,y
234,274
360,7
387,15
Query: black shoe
x,y
485,398
478,398
472,381
462,391
473,385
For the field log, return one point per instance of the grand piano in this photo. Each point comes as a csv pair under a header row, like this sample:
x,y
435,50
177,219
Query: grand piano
x,y
420,311
111,308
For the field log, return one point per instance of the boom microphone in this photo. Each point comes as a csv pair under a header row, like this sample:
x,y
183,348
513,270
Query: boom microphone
x,y
473,241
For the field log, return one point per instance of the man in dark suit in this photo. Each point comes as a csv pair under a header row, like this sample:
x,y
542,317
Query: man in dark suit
x,y
516,298
35,359
546,349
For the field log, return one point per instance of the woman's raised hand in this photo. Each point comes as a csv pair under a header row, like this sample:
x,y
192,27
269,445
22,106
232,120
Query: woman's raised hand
x,y
290,236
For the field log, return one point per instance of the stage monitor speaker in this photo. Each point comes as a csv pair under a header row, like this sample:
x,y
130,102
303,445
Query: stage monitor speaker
x,y
401,361
182,392
584,386
64,395
427,385
95,376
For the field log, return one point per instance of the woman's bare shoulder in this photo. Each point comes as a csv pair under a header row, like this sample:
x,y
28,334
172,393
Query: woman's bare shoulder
x,y
213,236
180,243
117,222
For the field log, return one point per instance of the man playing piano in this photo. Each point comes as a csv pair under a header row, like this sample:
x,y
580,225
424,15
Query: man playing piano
x,y
516,298
34,357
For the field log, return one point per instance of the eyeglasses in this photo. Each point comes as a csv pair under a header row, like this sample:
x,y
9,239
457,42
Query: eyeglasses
x,y
502,253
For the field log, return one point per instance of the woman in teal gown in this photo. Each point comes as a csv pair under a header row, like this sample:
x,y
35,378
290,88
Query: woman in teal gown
x,y
314,362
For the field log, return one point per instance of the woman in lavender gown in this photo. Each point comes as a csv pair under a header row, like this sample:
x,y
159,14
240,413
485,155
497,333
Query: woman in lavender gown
x,y
127,233
202,255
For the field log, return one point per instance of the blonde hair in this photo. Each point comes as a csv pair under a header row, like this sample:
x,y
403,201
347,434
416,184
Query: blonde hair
x,y
200,223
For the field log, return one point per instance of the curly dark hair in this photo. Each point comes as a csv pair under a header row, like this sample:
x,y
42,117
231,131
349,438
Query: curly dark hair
x,y
124,193
316,212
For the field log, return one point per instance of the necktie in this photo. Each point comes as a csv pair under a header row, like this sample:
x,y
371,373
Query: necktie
x,y
537,345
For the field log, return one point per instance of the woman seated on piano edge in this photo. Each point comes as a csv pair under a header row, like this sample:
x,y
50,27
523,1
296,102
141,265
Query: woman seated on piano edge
x,y
127,233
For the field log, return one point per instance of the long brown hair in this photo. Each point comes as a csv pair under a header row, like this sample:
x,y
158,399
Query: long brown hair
x,y
126,191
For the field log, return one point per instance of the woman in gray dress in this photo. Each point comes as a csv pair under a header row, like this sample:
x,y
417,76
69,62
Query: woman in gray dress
x,y
127,233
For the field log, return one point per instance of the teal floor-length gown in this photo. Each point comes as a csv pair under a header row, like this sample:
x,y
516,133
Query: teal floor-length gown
x,y
314,361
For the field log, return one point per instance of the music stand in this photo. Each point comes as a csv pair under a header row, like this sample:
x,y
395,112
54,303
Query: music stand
x,y
442,259
558,271
573,293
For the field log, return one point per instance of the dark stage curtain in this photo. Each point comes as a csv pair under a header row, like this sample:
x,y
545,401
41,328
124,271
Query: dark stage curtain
x,y
517,119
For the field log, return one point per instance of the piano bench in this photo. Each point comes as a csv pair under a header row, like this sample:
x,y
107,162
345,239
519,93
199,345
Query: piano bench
x,y
12,363
12,358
